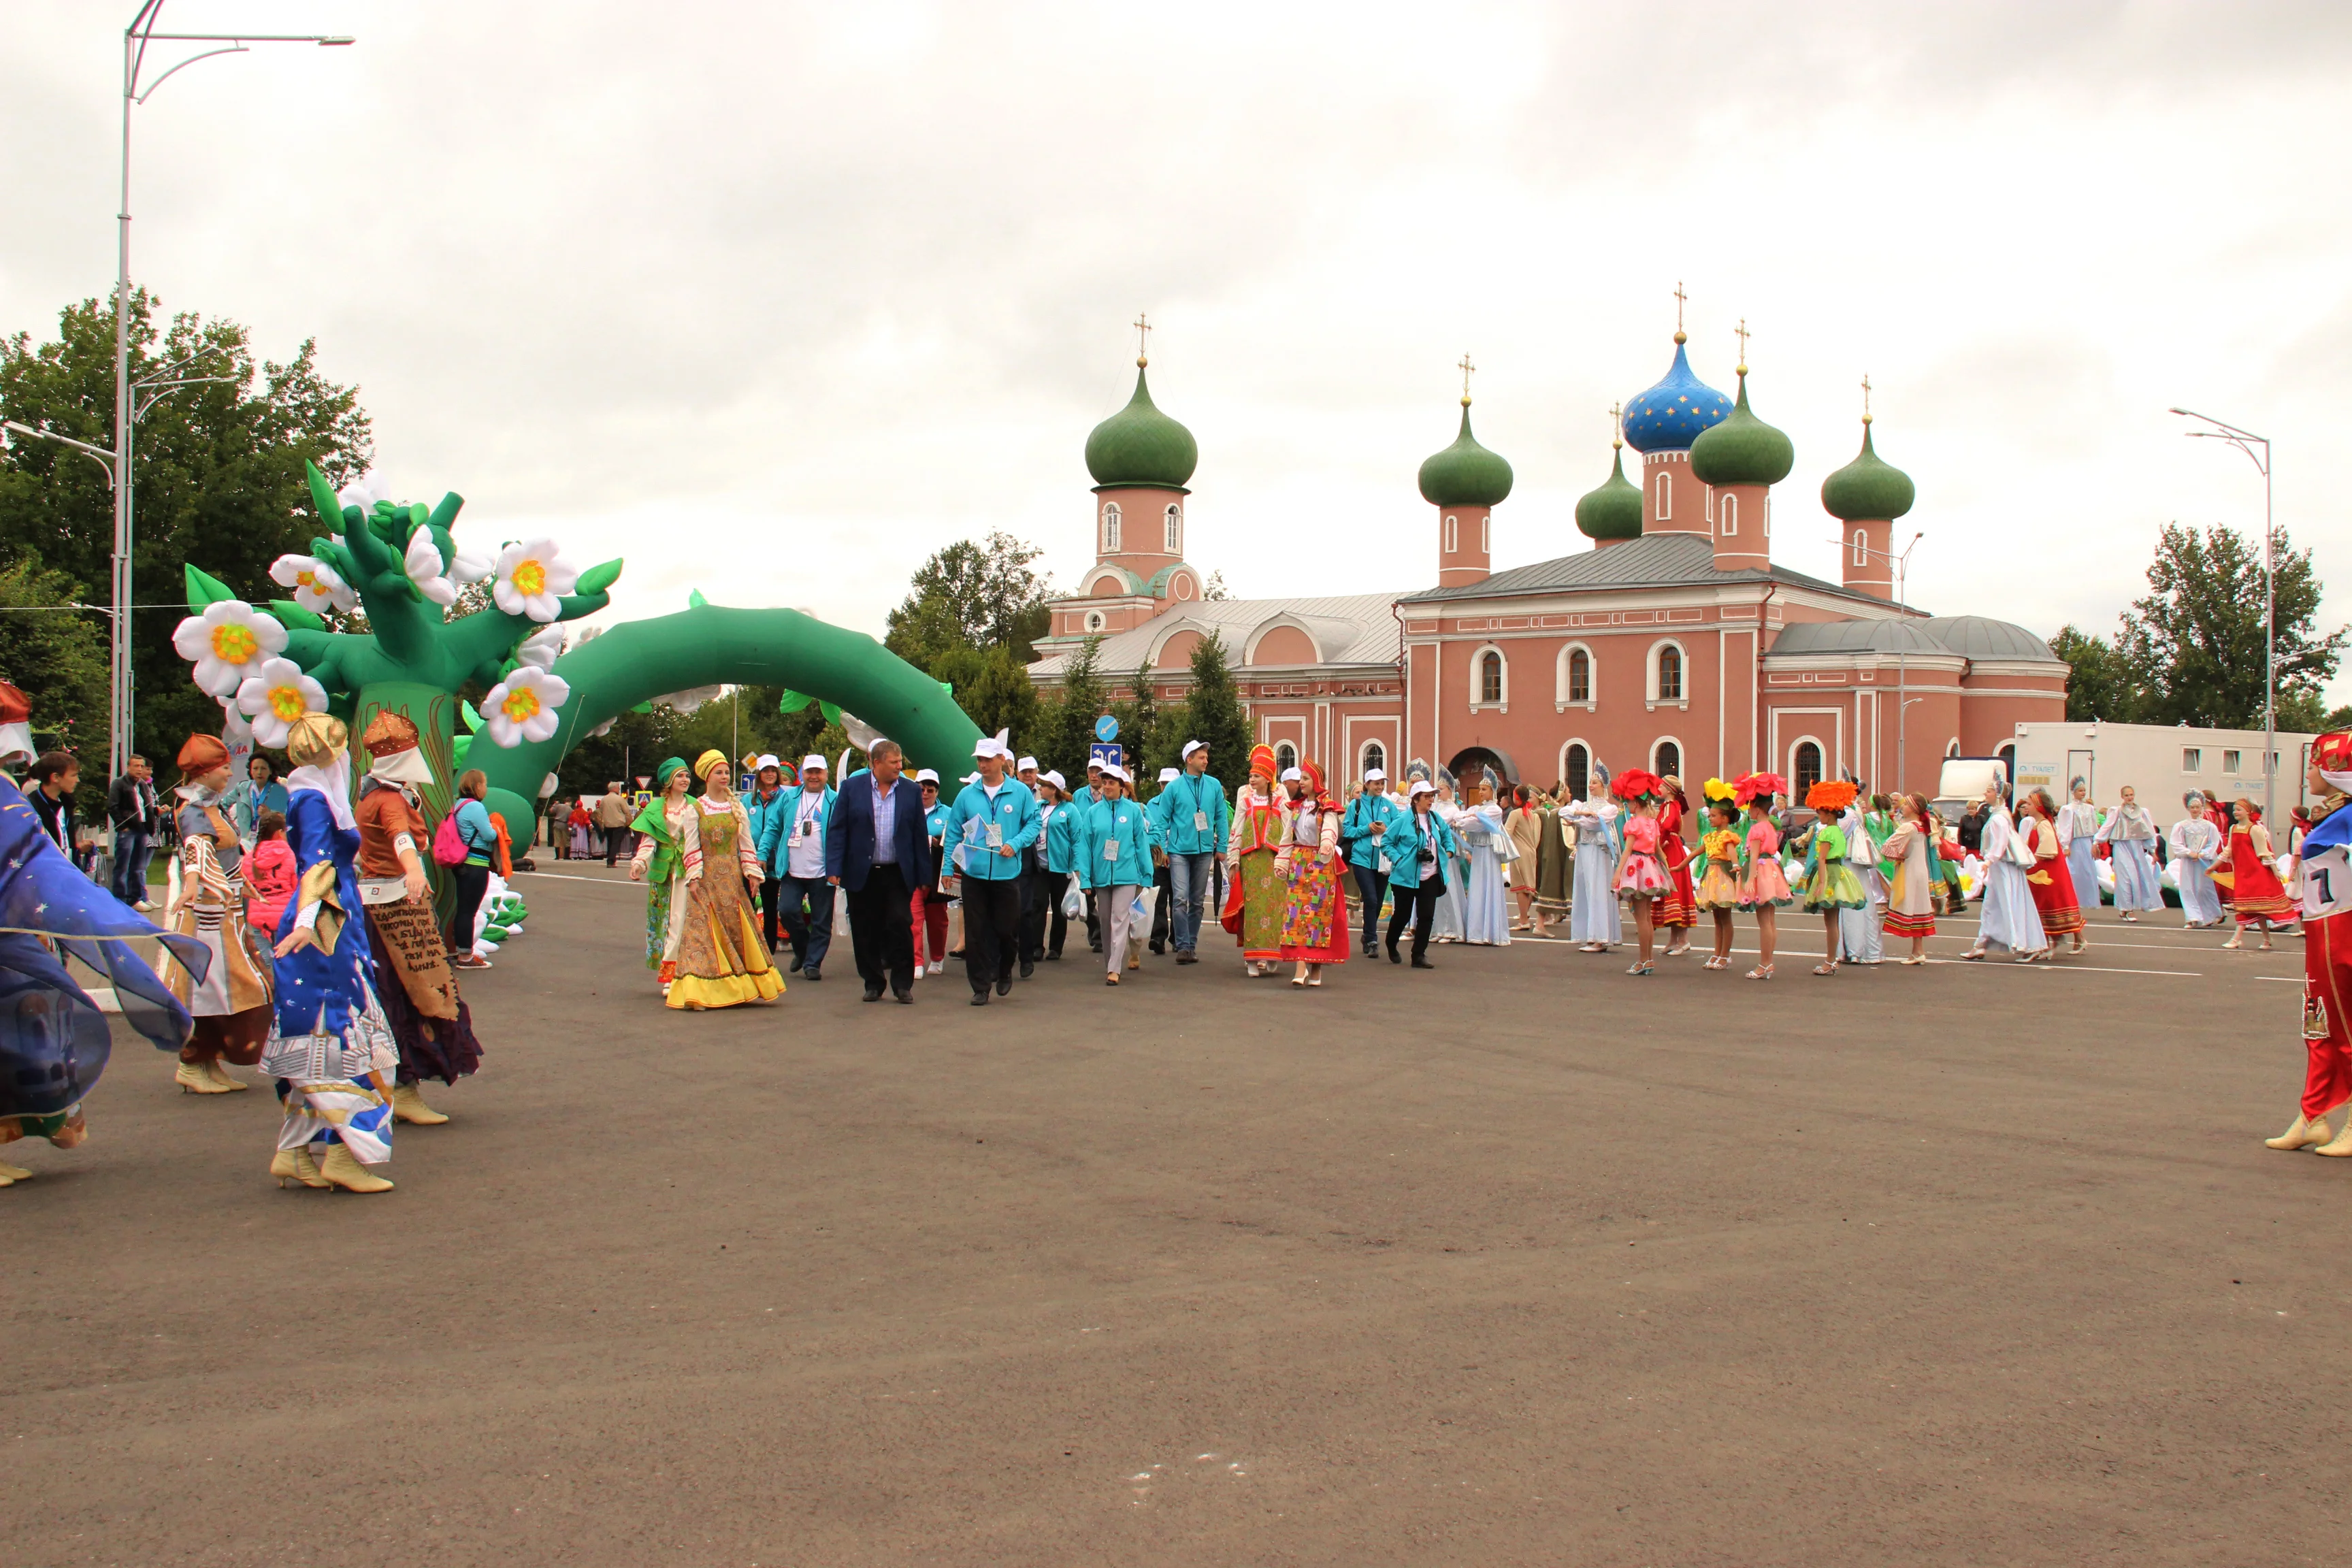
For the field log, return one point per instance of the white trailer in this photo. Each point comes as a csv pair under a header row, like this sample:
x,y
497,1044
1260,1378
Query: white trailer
x,y
2161,762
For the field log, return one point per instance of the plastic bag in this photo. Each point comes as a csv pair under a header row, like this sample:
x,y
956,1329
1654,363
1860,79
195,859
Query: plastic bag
x,y
1074,903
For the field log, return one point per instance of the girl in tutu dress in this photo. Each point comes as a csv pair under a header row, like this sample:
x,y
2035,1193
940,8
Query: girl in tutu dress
x,y
1717,891
1830,883
1763,887
1642,877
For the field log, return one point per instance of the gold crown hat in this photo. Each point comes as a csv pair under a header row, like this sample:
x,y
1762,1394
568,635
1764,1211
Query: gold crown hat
x,y
315,738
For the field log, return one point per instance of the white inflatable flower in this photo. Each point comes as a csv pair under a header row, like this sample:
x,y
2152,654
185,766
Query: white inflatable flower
x,y
364,491
425,570
234,731
227,643
532,580
522,707
317,585
275,696
470,565
540,649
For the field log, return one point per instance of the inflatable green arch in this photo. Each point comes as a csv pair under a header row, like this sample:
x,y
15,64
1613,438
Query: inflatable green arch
x,y
399,567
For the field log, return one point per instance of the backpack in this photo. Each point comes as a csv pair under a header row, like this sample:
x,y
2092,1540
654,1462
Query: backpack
x,y
449,849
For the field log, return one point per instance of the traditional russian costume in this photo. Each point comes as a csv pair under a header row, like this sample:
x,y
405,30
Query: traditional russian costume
x,y
2052,882
1594,915
2008,918
658,827
231,1005
1554,862
1257,898
1486,909
1912,891
2256,892
722,960
1446,915
1314,908
1681,905
1718,884
2130,835
2195,842
332,1052
2078,835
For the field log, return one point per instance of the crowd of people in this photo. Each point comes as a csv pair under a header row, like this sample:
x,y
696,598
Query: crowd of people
x,y
298,932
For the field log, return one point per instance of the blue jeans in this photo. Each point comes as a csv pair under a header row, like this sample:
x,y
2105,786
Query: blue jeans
x,y
1370,884
131,852
1188,880
804,906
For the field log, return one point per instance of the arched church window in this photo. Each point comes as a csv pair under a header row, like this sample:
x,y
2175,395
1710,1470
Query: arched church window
x,y
1175,530
1727,510
1860,548
1452,534
1490,677
1805,769
1668,759
1576,767
1485,536
1670,673
1580,676
1286,755
1375,756
1110,527
1665,495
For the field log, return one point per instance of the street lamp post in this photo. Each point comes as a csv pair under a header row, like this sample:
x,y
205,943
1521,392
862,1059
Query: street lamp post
x,y
2246,441
1902,697
135,38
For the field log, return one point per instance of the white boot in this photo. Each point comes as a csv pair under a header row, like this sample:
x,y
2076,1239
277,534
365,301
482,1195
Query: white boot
x,y
2308,1130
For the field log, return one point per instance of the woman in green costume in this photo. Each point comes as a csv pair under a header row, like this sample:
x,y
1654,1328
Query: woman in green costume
x,y
660,864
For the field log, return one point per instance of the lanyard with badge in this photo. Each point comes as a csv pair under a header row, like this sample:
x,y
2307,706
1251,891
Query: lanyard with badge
x,y
1112,846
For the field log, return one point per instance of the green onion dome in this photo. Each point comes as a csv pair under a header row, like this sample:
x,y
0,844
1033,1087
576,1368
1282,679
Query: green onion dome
x,y
1614,510
1466,474
1743,450
1869,488
1140,446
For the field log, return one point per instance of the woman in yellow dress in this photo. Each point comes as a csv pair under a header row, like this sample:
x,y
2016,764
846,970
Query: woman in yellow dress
x,y
722,960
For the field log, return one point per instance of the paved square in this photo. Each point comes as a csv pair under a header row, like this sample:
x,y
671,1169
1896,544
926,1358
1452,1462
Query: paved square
x,y
1524,1261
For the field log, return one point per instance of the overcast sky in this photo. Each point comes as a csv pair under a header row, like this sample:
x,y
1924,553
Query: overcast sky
x,y
775,300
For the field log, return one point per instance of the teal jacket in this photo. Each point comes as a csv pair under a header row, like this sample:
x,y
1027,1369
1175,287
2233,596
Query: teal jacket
x,y
759,812
1063,831
772,831
1356,827
1014,813
1177,804
1114,851
1402,844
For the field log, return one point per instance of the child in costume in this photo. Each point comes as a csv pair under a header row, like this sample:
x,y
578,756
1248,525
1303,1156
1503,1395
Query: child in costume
x,y
2256,895
1831,885
1643,879
1718,889
1763,886
231,1003
2323,875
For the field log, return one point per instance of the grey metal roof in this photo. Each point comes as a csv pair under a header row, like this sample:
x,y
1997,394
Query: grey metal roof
x,y
1653,561
1968,637
1353,629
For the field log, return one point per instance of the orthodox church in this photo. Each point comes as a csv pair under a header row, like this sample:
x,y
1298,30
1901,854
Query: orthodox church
x,y
1670,641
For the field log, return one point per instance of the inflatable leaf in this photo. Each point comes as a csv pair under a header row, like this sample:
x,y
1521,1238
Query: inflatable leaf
x,y
596,579
293,615
794,702
205,589
473,719
694,599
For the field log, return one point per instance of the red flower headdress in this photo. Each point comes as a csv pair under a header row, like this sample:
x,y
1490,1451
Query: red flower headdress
x,y
1636,784
1749,788
1830,795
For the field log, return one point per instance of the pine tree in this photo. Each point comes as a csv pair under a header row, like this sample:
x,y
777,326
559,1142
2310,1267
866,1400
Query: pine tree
x,y
1067,727
1214,714
1140,722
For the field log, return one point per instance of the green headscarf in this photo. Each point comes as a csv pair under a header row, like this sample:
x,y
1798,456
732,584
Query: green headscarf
x,y
653,823
661,774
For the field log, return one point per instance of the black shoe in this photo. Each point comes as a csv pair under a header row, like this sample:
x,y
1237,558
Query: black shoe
x,y
1005,986
811,974
1028,968
874,993
957,954
1394,956
1420,962
906,996
1054,956
1367,948
1159,949
979,998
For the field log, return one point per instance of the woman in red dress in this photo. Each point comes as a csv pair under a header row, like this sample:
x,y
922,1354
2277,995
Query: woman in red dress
x,y
2256,895
1315,911
2051,882
2219,815
1678,911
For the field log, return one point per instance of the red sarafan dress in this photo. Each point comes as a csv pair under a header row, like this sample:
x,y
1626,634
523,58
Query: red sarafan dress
x,y
2256,892
1679,908
2051,883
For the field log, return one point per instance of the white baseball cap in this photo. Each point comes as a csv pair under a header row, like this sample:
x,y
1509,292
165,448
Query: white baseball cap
x,y
1288,775
1379,773
927,776
994,746
1054,777
812,760
1192,746
1420,787
1167,773
768,760
969,778
1025,765
1112,770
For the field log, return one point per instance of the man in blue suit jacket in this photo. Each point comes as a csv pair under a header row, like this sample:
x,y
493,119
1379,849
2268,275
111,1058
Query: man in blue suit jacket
x,y
880,870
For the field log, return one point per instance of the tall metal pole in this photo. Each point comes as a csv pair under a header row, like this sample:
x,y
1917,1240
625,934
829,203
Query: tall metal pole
x,y
2246,441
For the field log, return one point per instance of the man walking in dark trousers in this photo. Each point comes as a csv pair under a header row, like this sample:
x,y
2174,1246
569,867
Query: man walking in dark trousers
x,y
992,821
876,851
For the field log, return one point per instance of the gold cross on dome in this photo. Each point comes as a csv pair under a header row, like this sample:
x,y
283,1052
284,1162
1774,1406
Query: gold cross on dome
x,y
1741,331
1617,423
1142,339
1679,297
1466,368
1866,397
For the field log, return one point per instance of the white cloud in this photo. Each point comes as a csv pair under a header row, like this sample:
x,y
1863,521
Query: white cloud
x,y
773,300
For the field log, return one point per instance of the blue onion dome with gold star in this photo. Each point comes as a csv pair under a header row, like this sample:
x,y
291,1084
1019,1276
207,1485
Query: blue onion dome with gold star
x,y
1677,411
1742,449
1869,488
1466,474
1140,446
1614,510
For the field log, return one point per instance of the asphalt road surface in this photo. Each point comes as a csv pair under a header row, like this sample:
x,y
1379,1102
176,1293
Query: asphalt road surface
x,y
1522,1261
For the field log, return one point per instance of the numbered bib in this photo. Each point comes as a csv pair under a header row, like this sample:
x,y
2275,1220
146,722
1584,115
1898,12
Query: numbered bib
x,y
2326,884
1110,849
